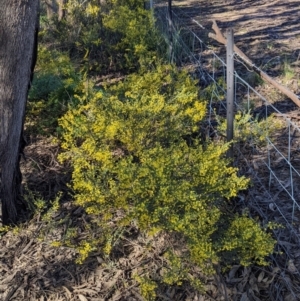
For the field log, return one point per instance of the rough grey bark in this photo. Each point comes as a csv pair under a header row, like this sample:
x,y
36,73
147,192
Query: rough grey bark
x,y
18,25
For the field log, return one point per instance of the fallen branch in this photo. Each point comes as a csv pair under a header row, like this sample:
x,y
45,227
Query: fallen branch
x,y
291,116
218,36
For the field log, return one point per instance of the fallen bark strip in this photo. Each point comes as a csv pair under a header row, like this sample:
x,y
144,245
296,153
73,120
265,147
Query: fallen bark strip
x,y
218,36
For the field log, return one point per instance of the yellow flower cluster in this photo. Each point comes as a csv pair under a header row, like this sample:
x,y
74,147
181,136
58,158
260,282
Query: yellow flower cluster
x,y
247,241
147,287
84,250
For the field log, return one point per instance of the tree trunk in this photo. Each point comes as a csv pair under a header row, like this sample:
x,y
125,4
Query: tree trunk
x,y
61,9
51,8
18,26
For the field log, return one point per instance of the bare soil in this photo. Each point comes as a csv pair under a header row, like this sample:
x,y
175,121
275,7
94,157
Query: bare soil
x,y
263,29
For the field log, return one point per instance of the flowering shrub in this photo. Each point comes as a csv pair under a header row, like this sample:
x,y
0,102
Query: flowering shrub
x,y
105,37
128,148
245,240
250,129
139,39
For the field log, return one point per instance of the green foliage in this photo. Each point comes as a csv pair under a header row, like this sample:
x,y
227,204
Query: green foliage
x,y
129,155
247,128
139,38
44,85
117,35
216,90
288,71
54,85
246,240
147,287
253,79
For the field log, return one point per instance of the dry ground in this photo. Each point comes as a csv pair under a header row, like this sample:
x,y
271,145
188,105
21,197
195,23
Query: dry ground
x,y
264,30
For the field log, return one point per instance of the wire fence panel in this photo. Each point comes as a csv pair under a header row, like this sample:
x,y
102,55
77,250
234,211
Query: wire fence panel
x,y
270,155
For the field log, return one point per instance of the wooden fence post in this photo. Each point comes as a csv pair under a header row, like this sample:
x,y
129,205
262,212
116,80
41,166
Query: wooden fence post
x,y
170,29
230,89
151,4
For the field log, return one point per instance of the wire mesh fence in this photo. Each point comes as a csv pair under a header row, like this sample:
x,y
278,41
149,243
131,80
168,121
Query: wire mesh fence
x,y
270,155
